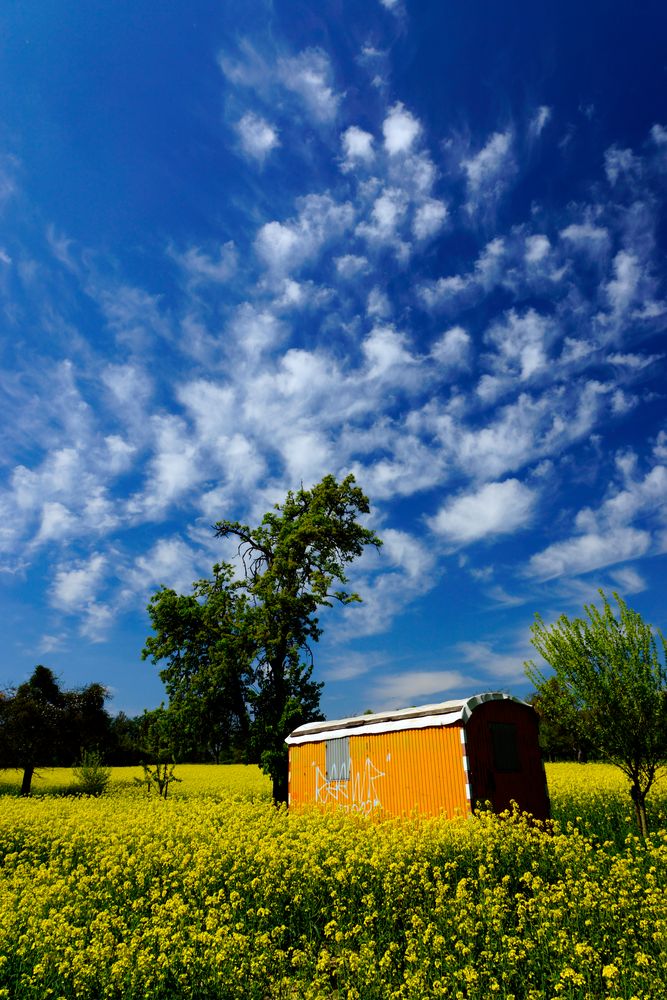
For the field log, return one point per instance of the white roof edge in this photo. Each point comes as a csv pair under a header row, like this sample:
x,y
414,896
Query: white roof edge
x,y
445,713
395,726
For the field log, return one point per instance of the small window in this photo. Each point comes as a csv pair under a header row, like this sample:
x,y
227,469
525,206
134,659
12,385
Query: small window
x,y
505,746
338,759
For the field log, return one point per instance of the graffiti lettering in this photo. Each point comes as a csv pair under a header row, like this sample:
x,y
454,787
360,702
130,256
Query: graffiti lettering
x,y
354,792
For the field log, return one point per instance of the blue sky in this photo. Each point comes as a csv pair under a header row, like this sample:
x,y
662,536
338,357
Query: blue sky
x,y
244,245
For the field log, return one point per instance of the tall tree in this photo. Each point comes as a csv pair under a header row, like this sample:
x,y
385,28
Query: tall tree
x,y
41,725
292,560
610,671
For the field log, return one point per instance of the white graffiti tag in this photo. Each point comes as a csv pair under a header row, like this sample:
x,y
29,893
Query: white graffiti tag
x,y
355,793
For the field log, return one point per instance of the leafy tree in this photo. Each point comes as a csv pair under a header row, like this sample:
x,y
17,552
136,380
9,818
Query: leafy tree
x,y
158,744
610,670
291,561
201,636
42,725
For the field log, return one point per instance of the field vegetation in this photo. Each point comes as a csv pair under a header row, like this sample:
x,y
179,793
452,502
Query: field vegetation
x,y
215,893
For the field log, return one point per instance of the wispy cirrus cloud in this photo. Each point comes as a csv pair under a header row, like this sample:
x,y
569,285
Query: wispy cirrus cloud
x,y
489,171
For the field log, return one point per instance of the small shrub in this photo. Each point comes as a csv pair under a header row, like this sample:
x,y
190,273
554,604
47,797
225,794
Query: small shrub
x,y
160,776
93,777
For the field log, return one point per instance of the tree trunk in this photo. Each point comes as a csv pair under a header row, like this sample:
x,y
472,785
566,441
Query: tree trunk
x,y
281,785
639,799
28,772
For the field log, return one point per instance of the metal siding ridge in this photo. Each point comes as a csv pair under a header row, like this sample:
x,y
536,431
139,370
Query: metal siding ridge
x,y
395,726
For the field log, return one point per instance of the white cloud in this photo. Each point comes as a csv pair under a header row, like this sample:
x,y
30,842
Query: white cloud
x,y
452,349
429,219
57,523
521,342
74,588
444,291
134,316
629,580
659,135
350,265
279,246
171,562
175,468
387,215
489,171
58,476
500,666
405,551
405,689
400,130
357,147
96,621
309,75
537,248
256,330
257,136
128,383
51,643
385,352
622,289
378,304
490,269
587,237
494,509
619,163
606,535
284,247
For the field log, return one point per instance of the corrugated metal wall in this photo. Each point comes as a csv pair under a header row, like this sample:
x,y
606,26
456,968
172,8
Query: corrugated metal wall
x,y
419,770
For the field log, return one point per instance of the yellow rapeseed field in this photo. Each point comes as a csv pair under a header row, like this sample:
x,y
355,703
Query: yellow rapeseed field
x,y
216,894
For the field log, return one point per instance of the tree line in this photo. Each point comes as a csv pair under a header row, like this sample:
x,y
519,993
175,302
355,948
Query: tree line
x,y
43,725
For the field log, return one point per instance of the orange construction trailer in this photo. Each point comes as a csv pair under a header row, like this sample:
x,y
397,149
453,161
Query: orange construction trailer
x,y
434,759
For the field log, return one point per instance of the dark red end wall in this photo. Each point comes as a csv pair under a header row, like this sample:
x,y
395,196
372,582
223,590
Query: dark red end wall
x,y
504,757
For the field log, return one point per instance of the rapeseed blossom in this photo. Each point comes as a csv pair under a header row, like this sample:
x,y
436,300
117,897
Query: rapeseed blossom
x,y
217,894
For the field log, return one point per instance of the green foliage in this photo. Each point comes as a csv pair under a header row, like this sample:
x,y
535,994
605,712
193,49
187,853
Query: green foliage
x,y
201,636
611,675
92,775
158,735
563,727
